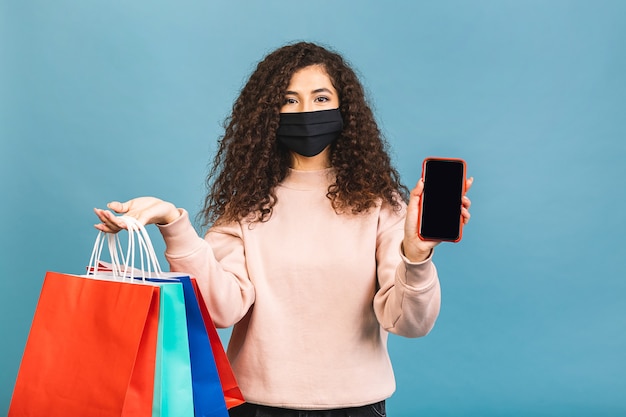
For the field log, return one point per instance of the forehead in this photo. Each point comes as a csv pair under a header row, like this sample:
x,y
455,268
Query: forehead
x,y
310,78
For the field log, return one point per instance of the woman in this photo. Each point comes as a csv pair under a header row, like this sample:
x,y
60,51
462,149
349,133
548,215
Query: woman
x,y
312,253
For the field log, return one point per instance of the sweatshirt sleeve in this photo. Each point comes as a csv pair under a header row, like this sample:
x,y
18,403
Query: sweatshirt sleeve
x,y
218,264
408,300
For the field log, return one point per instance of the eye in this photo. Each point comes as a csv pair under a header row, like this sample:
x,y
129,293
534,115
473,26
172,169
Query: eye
x,y
290,100
322,99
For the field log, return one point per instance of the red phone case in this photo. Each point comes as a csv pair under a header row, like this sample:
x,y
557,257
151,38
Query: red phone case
x,y
419,217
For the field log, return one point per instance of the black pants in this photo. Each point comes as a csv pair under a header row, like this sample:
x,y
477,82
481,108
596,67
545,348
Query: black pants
x,y
254,410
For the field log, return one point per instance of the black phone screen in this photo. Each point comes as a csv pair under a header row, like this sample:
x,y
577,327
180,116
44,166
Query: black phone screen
x,y
441,199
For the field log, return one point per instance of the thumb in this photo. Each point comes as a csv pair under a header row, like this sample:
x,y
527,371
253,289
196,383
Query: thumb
x,y
419,187
413,206
118,207
416,193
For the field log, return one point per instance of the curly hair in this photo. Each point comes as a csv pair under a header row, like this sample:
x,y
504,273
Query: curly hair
x,y
250,162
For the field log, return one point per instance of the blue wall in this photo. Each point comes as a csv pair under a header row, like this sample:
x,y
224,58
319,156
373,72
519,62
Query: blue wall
x,y
103,100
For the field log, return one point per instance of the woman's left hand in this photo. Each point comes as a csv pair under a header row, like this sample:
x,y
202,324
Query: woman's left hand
x,y
416,249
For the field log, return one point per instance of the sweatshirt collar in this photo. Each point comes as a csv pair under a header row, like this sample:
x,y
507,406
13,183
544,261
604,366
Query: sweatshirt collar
x,y
309,180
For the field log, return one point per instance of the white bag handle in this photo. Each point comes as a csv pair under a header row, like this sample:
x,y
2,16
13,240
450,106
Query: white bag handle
x,y
123,266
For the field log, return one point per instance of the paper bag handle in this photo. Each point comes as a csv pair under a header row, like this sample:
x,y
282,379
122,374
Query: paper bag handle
x,y
123,266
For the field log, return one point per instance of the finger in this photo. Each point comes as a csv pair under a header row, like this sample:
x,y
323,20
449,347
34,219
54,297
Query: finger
x,y
98,213
118,207
104,218
466,202
110,222
114,221
468,183
410,225
419,188
104,228
466,215
414,196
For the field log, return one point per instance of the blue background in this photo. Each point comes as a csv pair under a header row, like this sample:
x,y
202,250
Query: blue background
x,y
104,100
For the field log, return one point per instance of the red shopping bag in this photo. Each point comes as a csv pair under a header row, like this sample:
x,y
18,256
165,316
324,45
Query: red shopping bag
x,y
90,351
232,393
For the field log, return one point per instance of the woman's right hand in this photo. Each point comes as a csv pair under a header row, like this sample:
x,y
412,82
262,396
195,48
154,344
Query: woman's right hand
x,y
148,210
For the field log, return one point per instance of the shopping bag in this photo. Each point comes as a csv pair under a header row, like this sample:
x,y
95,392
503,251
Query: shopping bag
x,y
91,350
173,389
172,382
175,363
208,396
230,388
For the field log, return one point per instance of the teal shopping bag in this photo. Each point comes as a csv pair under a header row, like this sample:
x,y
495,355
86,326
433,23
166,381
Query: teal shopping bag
x,y
173,391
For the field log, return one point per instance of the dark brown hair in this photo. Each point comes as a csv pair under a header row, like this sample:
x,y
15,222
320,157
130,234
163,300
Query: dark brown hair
x,y
250,162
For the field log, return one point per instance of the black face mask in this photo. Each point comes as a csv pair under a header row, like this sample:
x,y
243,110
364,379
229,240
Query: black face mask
x,y
309,133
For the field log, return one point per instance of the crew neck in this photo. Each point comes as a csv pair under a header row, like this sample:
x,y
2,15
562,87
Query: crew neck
x,y
308,180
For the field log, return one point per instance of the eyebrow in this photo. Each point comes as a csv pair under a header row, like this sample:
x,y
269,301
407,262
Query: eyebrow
x,y
319,90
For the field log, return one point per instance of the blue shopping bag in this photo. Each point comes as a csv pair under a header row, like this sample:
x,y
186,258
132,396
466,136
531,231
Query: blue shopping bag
x,y
207,394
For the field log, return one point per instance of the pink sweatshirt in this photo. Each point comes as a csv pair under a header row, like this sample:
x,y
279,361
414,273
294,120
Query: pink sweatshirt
x,y
312,295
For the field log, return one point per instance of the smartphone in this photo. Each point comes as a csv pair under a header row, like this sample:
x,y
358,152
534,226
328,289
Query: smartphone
x,y
440,204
